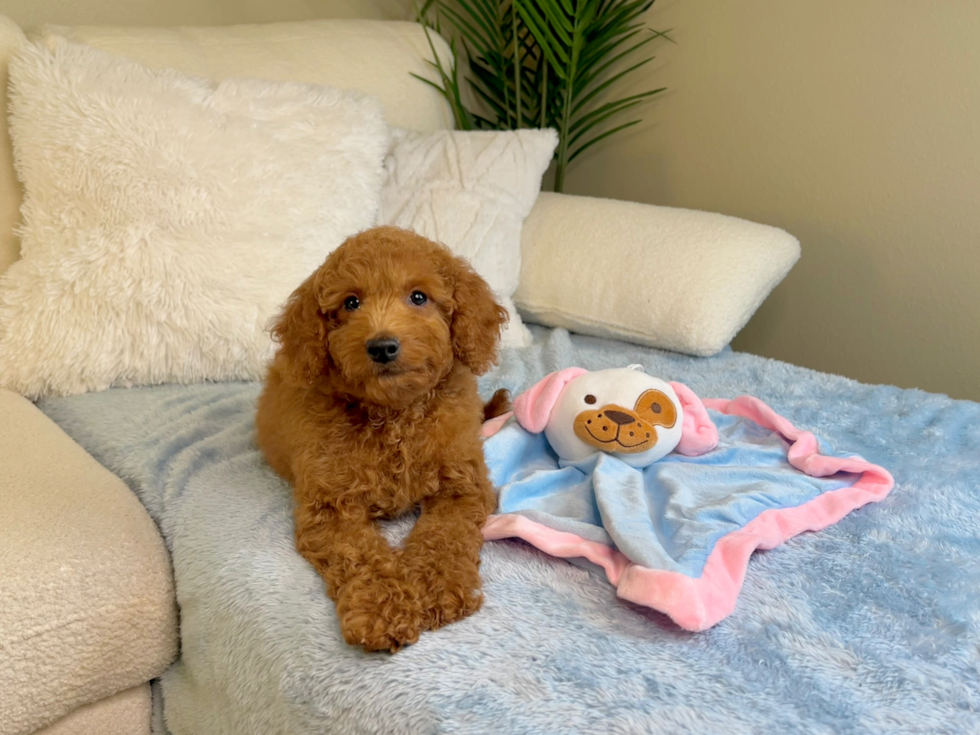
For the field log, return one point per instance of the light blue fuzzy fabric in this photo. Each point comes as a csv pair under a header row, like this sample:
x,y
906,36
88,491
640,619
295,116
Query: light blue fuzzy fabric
x,y
667,516
872,625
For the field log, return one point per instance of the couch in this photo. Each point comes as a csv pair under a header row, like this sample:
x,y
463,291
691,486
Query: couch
x,y
89,616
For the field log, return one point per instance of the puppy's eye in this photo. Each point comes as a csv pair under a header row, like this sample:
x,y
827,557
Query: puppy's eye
x,y
590,399
352,303
418,298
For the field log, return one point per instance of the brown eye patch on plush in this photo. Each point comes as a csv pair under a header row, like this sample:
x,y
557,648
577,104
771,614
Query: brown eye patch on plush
x,y
657,408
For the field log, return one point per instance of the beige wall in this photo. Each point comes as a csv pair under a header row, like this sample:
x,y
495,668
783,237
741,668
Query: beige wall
x,y
32,14
853,124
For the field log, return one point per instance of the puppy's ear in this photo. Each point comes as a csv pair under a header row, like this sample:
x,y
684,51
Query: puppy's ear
x,y
301,331
477,320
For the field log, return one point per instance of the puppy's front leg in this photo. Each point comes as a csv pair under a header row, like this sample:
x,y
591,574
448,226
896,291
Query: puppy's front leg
x,y
376,606
442,553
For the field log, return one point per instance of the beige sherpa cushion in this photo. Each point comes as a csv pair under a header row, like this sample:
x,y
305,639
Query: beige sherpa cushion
x,y
678,279
126,713
86,595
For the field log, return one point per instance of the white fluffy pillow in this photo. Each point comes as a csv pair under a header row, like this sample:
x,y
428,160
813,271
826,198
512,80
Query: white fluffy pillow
x,y
166,218
472,192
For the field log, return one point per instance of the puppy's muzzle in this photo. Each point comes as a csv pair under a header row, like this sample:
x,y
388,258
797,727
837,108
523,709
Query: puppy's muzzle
x,y
383,350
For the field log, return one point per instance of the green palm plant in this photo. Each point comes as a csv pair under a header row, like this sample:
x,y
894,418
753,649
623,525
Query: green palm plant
x,y
544,63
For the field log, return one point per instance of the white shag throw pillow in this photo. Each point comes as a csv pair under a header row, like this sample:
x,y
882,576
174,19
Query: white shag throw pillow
x,y
167,218
472,191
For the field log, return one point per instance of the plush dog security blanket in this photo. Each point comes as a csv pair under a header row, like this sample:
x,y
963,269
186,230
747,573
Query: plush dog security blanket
x,y
675,535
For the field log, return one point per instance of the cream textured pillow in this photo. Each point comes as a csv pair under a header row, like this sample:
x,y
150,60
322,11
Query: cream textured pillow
x,y
166,218
663,277
472,192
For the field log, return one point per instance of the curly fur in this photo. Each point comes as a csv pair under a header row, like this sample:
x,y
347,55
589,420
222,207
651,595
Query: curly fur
x,y
361,441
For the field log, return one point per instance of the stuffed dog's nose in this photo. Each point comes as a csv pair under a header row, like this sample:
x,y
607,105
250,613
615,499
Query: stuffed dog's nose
x,y
383,350
619,417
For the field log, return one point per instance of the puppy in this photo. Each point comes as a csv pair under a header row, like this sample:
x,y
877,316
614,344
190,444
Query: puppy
x,y
370,410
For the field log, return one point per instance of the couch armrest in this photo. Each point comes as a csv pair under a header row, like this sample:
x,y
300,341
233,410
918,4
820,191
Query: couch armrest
x,y
88,606
663,277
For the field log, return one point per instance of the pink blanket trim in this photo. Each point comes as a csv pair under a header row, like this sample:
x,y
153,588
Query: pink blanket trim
x,y
698,604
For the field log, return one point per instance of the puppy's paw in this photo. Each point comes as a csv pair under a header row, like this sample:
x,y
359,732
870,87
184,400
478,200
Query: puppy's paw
x,y
451,606
448,595
381,614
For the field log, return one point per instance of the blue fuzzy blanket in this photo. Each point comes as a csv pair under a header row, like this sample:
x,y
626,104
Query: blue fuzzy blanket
x,y
872,625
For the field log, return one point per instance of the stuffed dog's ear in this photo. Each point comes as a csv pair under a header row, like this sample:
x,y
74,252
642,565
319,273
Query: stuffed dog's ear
x,y
301,332
533,407
476,321
700,434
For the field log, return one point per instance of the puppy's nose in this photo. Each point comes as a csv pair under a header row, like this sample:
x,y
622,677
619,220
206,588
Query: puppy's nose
x,y
619,417
384,349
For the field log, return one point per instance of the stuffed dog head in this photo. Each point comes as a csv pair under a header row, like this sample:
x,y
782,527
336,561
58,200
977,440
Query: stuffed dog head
x,y
621,411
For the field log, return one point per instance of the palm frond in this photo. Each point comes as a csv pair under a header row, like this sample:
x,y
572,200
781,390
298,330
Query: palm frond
x,y
543,63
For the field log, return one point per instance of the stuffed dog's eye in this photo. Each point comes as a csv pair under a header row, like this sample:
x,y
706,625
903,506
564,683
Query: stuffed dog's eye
x,y
590,399
352,303
418,298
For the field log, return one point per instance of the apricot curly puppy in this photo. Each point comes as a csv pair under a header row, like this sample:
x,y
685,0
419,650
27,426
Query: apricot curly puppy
x,y
371,410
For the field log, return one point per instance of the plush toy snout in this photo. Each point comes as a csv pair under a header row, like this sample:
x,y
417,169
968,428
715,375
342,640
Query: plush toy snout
x,y
622,411
613,428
